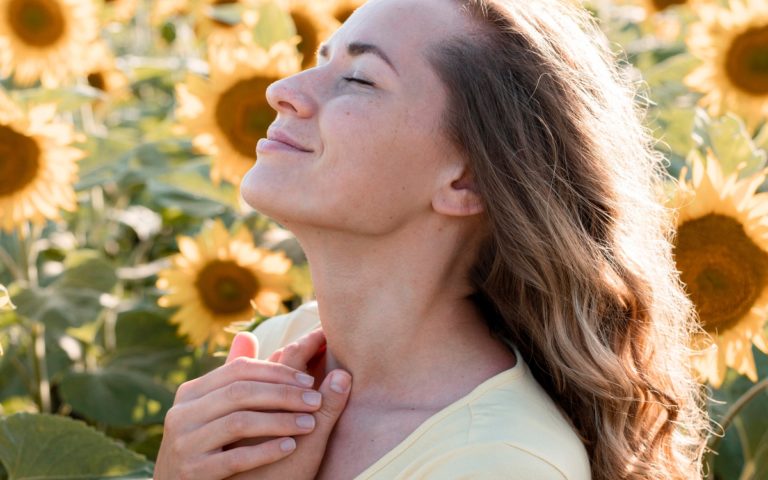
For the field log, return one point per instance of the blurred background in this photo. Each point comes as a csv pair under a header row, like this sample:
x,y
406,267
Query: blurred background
x,y
128,260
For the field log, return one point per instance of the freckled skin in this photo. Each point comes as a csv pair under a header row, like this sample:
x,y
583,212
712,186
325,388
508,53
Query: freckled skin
x,y
367,142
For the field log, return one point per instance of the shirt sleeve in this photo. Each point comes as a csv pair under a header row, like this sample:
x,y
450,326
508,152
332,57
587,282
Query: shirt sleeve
x,y
488,461
281,330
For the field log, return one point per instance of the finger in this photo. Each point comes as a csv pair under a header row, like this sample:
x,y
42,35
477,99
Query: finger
x,y
247,395
246,424
299,353
241,369
335,390
245,344
230,462
275,357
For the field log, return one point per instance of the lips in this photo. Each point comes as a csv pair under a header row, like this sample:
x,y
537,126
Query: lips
x,y
282,137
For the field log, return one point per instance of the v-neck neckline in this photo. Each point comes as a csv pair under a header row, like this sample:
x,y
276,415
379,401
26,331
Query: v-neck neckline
x,y
495,381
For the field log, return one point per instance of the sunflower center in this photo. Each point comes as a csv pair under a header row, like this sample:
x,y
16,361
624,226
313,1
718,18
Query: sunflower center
x,y
724,271
243,114
97,80
226,287
342,14
308,44
39,23
19,161
746,63
660,5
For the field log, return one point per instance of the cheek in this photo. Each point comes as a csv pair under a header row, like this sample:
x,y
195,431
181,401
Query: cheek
x,y
383,162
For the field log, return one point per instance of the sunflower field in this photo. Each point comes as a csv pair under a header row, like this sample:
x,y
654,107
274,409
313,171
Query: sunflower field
x,y
128,260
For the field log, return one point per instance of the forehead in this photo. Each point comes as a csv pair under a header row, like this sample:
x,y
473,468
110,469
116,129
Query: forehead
x,y
404,29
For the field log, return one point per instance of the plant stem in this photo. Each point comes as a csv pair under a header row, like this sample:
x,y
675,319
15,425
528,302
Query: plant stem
x,y
41,367
731,414
10,264
22,236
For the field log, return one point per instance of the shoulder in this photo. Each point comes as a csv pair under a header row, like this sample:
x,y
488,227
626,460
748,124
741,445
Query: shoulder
x,y
508,427
284,329
523,421
489,460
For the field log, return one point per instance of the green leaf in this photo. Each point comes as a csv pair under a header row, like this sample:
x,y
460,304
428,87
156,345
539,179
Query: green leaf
x,y
116,397
730,142
675,127
275,25
59,309
147,342
193,181
36,446
66,99
192,204
85,269
759,463
670,70
229,13
747,432
75,297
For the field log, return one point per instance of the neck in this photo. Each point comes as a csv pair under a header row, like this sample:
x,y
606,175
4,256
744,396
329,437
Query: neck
x,y
396,313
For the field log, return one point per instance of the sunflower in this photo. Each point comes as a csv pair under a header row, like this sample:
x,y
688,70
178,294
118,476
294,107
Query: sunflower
x,y
208,26
655,6
229,114
102,73
313,25
342,9
38,166
721,251
45,39
733,45
218,279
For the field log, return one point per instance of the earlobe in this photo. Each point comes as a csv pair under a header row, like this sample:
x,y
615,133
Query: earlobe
x,y
458,197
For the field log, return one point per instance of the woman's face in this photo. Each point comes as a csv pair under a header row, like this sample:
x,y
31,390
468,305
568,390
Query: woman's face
x,y
368,121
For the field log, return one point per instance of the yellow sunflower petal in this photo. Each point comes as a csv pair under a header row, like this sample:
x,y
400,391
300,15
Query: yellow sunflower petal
x,y
45,40
214,284
342,9
314,25
230,114
721,251
733,44
37,172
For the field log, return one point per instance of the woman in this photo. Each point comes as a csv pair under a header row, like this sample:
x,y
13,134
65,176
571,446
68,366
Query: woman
x,y
479,206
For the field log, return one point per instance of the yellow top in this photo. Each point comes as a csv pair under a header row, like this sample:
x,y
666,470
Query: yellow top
x,y
507,427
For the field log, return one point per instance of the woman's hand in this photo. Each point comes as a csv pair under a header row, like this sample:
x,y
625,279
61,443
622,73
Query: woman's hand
x,y
243,414
335,388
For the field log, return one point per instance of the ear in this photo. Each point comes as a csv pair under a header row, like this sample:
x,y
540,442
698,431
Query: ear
x,y
457,195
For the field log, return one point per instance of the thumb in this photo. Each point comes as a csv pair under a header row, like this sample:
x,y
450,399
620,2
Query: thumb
x,y
335,391
245,344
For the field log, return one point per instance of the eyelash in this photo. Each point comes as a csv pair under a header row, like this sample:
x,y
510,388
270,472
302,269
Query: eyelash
x,y
359,80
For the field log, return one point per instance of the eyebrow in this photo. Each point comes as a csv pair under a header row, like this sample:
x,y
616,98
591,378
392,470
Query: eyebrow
x,y
358,48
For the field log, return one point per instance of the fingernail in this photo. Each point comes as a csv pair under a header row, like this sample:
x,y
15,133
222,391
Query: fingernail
x,y
288,444
340,382
312,398
304,379
305,421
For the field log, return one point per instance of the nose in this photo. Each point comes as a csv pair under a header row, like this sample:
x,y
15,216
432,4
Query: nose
x,y
287,96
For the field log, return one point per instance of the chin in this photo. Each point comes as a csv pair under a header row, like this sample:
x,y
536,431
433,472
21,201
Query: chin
x,y
270,194
258,191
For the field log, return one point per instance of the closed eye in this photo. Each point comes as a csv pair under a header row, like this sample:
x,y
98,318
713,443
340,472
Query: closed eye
x,y
359,80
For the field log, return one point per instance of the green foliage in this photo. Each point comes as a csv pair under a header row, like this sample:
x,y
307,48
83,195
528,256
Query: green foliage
x,y
89,363
54,447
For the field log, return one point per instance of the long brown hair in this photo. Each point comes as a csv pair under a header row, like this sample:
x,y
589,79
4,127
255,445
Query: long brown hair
x,y
577,270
